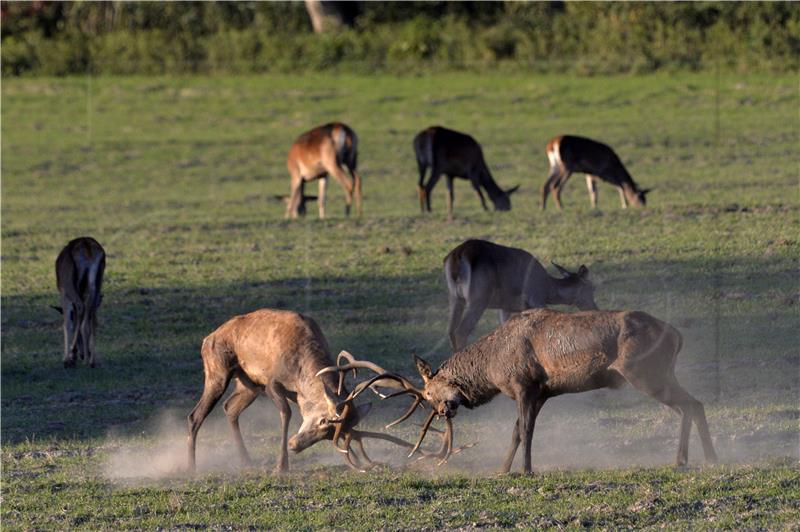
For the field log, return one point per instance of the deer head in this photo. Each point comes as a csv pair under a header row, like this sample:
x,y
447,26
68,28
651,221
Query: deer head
x,y
576,288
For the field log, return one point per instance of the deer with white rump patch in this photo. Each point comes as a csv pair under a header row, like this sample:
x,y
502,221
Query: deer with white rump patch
x,y
568,154
79,278
316,154
543,353
481,275
285,356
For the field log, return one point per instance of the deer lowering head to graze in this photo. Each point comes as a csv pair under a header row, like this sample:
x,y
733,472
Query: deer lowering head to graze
x,y
543,353
285,356
455,154
323,151
568,154
79,278
481,275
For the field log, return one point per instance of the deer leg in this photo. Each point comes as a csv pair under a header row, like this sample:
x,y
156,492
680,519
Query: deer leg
x,y
357,188
694,410
528,405
435,176
474,310
622,199
88,336
558,187
321,190
279,398
213,389
295,196
552,179
457,305
505,315
476,185
70,331
336,171
512,451
671,394
421,186
242,397
449,197
591,184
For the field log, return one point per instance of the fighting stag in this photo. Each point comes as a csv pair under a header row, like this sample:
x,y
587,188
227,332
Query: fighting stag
x,y
481,275
318,153
79,278
568,154
543,353
283,355
455,154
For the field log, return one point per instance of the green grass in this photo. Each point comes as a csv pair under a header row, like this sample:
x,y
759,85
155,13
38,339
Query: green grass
x,y
174,176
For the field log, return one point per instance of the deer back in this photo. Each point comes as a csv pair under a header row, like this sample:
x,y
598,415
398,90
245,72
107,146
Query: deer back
x,y
79,272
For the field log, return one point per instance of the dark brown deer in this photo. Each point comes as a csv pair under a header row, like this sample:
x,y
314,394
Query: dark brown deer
x,y
543,353
79,278
568,154
283,355
455,154
316,154
481,275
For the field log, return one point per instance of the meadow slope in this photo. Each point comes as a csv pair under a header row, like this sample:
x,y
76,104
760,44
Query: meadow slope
x,y
176,178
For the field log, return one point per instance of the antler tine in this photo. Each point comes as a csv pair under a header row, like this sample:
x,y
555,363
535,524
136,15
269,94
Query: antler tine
x,y
351,359
447,446
422,434
407,386
414,405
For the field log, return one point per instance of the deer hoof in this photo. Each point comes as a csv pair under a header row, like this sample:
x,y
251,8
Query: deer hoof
x,y
69,364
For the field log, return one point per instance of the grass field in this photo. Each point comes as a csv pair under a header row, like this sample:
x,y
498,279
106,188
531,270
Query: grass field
x,y
175,177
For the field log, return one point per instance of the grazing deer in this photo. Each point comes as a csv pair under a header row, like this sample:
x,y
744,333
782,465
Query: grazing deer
x,y
282,354
543,353
455,154
481,275
568,154
79,278
318,153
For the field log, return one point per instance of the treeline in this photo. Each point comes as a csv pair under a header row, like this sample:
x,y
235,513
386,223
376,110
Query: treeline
x,y
60,38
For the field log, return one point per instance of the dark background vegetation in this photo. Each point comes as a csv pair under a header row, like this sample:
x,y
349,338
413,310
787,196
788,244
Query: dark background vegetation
x,y
60,38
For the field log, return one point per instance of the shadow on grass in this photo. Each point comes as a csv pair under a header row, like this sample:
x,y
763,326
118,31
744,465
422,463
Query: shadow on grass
x,y
739,320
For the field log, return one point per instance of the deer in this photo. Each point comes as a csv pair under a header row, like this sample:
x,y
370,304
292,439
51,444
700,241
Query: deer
x,y
543,353
481,274
79,278
569,153
318,153
285,356
455,154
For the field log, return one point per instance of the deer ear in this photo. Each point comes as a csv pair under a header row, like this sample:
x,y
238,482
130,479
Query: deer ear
x,y
512,190
646,191
423,367
59,309
565,272
583,271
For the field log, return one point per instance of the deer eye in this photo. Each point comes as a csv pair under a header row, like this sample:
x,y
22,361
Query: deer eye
x,y
323,421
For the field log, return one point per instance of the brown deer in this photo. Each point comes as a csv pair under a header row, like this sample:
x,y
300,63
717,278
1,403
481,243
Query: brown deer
x,y
318,153
455,154
283,355
568,154
543,353
481,275
79,278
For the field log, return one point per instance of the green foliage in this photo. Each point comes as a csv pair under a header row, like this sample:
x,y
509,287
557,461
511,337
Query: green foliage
x,y
244,37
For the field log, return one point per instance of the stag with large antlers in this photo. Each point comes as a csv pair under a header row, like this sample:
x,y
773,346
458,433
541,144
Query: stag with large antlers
x,y
79,278
543,353
285,356
481,275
